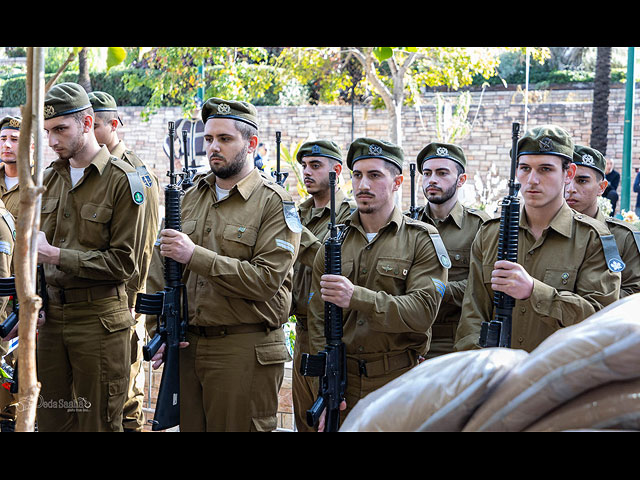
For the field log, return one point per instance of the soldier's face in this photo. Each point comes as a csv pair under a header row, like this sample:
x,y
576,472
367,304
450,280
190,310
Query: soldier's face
x,y
582,192
440,179
226,148
103,131
66,134
373,184
315,173
542,179
9,145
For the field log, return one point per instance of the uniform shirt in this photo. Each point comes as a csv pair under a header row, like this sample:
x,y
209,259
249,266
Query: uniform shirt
x,y
10,196
628,244
246,244
457,230
94,223
399,283
148,228
316,220
571,279
7,235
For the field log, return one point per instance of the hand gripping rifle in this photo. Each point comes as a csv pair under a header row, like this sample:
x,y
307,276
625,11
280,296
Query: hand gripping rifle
x,y
170,306
280,176
413,210
497,332
330,364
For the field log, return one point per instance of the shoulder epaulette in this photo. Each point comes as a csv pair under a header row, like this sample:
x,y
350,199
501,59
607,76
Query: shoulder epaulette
x,y
135,183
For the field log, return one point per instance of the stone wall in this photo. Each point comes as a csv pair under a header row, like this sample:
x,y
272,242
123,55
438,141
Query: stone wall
x,y
488,143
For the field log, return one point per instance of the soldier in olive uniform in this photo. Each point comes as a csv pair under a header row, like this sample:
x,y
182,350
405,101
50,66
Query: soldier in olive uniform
x,y
8,401
9,138
317,158
394,272
91,211
562,275
443,174
582,195
239,240
106,131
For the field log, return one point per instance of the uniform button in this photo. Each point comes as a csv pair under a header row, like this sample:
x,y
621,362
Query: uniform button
x,y
368,247
520,339
95,215
66,214
208,229
361,348
360,322
457,256
364,270
523,309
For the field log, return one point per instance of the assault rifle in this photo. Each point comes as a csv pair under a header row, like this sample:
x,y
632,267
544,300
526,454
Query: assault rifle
x,y
497,332
330,364
170,307
8,289
280,176
413,210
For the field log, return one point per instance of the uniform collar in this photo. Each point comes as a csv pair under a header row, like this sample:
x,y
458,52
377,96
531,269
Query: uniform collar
x,y
562,222
396,220
307,206
100,161
600,216
245,187
456,214
119,149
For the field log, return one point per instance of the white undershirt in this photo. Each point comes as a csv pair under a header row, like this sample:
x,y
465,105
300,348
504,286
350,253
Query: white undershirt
x,y
10,182
371,236
221,192
76,174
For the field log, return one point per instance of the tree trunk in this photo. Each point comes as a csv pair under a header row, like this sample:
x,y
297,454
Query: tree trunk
x,y
601,87
83,68
25,252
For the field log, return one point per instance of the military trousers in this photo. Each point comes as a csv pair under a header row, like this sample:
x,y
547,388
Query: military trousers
x,y
369,372
303,389
84,360
231,382
133,415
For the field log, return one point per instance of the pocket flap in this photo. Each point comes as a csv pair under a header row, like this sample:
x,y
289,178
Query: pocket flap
x,y
393,267
189,227
96,213
244,234
272,353
117,320
49,204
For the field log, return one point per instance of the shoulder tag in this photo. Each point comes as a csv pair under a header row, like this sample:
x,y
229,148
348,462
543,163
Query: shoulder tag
x,y
441,250
291,216
137,190
611,254
636,237
145,176
8,218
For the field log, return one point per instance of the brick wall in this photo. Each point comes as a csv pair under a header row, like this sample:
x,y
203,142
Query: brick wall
x,y
488,142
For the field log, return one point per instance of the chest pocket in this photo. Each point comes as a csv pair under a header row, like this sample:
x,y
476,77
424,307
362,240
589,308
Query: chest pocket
x,y
47,214
561,278
189,227
95,221
238,241
392,273
459,264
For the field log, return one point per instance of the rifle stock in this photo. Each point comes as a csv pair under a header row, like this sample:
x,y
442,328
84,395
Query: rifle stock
x,y
497,332
170,306
330,364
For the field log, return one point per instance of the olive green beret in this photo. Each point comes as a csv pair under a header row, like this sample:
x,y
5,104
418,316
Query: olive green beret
x,y
10,122
372,148
546,140
320,148
65,99
442,150
103,102
589,157
237,110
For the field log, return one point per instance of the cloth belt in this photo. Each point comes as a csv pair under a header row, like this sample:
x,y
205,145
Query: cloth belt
x,y
222,330
74,295
387,363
